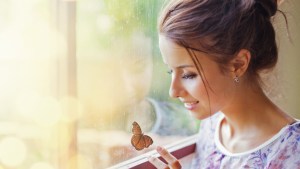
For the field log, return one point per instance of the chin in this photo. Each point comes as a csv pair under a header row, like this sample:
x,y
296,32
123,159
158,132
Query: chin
x,y
200,115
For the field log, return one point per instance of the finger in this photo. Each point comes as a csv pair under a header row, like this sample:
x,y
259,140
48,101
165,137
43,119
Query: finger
x,y
175,165
171,160
158,163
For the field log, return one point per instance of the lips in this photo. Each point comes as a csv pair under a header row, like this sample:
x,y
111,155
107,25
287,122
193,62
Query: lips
x,y
190,105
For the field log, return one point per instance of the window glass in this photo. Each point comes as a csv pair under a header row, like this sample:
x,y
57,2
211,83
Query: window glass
x,y
75,75
121,79
30,101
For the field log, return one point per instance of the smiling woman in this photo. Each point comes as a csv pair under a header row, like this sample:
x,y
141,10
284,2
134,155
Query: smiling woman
x,y
75,75
185,76
217,55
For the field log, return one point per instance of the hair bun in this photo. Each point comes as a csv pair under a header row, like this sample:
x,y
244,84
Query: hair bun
x,y
268,8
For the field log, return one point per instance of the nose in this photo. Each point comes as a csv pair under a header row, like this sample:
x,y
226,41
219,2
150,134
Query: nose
x,y
176,89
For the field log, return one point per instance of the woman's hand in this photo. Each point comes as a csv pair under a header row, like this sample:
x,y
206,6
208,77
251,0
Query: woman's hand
x,y
172,162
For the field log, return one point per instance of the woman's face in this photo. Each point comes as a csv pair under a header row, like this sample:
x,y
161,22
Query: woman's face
x,y
188,86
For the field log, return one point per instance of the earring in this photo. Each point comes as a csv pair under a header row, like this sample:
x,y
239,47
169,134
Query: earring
x,y
236,79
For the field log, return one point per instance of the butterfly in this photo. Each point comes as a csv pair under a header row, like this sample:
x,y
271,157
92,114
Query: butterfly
x,y
139,141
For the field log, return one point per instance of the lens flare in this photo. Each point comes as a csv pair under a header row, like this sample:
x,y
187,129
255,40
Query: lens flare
x,y
71,109
81,161
13,151
42,165
48,112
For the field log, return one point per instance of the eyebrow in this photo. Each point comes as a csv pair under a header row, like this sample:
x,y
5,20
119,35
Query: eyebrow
x,y
184,66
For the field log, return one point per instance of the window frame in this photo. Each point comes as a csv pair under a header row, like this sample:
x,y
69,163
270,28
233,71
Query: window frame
x,y
181,149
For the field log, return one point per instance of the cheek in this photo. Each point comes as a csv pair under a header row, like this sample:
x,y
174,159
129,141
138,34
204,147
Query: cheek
x,y
222,93
198,90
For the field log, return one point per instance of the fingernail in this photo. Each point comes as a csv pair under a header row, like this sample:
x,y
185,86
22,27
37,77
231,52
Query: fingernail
x,y
159,148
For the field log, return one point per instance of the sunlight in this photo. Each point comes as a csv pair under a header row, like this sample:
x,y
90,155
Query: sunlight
x,y
81,161
26,103
45,111
42,165
104,23
48,112
13,151
72,109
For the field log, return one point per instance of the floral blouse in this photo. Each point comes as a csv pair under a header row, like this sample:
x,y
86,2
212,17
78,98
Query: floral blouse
x,y
282,151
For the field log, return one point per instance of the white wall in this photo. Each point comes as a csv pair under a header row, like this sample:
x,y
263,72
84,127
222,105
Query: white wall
x,y
289,59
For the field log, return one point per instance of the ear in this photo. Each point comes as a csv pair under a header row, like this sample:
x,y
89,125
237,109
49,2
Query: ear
x,y
239,64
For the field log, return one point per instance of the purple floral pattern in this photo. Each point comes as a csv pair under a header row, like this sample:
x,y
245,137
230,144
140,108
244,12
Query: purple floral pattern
x,y
283,152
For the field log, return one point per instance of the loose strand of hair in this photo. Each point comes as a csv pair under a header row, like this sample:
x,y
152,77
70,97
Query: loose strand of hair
x,y
200,71
287,25
206,82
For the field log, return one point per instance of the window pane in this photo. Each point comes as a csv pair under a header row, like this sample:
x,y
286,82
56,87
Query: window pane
x,y
62,107
121,79
32,93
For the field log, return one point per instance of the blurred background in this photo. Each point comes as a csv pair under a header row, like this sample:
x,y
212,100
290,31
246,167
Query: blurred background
x,y
74,75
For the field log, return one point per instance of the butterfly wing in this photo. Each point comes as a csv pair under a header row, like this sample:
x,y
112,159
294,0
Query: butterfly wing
x,y
139,141
148,140
136,129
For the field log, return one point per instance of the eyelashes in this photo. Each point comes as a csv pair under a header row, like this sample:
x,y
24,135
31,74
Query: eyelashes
x,y
185,75
189,76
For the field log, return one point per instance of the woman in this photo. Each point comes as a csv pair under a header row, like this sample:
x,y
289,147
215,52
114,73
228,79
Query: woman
x,y
216,51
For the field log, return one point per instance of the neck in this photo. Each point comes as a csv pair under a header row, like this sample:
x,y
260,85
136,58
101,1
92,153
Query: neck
x,y
253,110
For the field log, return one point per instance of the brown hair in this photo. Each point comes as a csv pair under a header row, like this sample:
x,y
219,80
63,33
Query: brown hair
x,y
221,28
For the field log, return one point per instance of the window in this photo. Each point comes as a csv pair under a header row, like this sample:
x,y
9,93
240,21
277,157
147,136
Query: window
x,y
121,79
75,75
38,81
184,150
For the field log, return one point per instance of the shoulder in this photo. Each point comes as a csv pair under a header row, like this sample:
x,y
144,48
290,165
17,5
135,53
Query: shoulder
x,y
289,138
291,135
286,150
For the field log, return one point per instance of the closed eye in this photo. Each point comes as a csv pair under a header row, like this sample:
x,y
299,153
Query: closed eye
x,y
189,76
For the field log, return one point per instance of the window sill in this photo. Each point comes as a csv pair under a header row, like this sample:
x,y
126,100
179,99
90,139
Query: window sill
x,y
182,150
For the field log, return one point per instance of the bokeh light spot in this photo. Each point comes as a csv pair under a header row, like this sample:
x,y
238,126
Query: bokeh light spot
x,y
42,165
13,151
